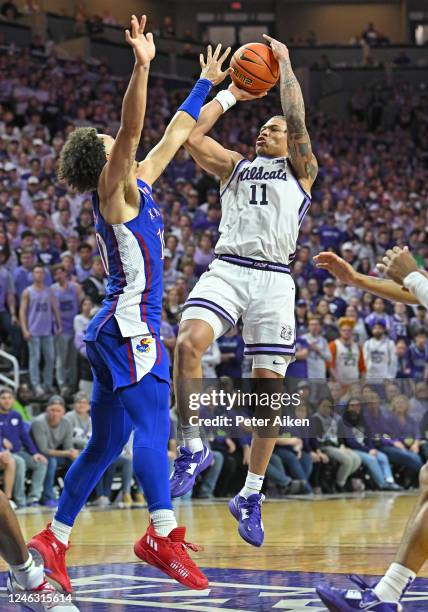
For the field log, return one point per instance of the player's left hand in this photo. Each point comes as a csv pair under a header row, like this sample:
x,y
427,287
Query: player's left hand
x,y
279,50
397,264
211,68
142,44
337,266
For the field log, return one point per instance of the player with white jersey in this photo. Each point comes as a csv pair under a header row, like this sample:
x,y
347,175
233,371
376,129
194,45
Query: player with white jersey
x,y
408,285
263,203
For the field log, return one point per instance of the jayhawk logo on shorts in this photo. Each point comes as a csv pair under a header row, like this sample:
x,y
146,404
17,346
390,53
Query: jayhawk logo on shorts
x,y
144,345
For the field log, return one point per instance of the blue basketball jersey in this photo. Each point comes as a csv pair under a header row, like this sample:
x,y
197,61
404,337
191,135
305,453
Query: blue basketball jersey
x,y
132,255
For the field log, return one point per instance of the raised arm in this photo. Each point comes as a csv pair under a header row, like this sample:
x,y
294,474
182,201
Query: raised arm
x,y
208,153
384,288
300,152
117,186
185,119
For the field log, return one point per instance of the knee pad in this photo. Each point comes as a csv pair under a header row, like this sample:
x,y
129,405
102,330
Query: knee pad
x,y
275,363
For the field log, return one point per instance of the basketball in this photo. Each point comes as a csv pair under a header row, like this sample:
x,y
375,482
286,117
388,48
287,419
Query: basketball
x,y
255,68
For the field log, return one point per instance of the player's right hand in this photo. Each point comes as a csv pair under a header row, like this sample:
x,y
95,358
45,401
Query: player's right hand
x,y
211,68
142,44
337,266
242,96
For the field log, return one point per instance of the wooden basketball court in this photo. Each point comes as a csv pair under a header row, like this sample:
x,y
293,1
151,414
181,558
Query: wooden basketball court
x,y
305,539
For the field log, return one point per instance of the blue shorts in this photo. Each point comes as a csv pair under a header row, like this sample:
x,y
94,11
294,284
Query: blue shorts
x,y
120,362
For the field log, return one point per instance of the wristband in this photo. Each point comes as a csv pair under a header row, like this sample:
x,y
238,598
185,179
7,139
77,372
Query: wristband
x,y
226,99
417,284
193,103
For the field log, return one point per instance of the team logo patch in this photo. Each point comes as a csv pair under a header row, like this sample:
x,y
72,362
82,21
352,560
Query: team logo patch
x,y
145,344
287,333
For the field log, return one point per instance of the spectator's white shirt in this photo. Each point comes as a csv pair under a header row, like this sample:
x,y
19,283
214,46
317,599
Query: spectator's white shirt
x,y
381,359
317,366
210,359
80,323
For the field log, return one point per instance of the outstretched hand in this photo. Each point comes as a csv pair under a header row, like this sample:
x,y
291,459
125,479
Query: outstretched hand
x,y
142,44
337,266
211,67
279,50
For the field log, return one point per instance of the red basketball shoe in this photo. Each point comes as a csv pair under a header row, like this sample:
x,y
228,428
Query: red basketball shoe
x,y
169,554
51,551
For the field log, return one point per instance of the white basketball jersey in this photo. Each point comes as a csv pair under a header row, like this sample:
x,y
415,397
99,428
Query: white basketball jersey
x,y
263,206
347,362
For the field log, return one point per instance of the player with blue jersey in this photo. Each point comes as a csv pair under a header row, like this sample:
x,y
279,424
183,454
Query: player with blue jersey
x,y
129,362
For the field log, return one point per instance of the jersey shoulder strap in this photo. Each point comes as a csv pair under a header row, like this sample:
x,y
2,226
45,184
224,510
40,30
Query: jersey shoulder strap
x,y
227,182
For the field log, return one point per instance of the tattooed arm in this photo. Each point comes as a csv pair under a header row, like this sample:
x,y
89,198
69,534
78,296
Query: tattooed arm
x,y
299,144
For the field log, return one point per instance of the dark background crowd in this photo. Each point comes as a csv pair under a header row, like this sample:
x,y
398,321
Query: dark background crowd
x,y
371,194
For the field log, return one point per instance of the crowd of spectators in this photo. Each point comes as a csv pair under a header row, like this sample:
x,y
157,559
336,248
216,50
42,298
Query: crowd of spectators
x,y
371,194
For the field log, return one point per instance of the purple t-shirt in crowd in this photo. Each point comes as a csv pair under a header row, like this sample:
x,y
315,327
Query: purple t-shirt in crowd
x,y
39,314
68,305
401,431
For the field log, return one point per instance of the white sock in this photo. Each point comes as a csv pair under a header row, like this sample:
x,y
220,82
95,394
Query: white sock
x,y
253,484
395,582
164,521
28,575
61,531
194,445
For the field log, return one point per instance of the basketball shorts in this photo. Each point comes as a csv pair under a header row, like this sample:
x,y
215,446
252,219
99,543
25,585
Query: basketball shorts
x,y
263,296
120,362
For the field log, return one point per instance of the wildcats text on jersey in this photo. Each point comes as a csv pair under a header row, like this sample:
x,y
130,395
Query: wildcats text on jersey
x,y
260,174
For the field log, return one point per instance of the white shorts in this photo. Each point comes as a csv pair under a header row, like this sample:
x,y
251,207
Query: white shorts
x,y
263,298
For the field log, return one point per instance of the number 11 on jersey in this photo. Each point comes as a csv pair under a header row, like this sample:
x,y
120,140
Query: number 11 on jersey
x,y
254,201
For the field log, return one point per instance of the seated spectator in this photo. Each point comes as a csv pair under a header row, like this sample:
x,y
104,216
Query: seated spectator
x,y
23,405
123,463
8,467
325,427
278,482
296,458
80,420
405,430
352,434
16,439
53,435
383,433
419,403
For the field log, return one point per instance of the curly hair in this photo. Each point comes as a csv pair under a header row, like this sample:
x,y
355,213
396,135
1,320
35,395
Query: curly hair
x,y
82,159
